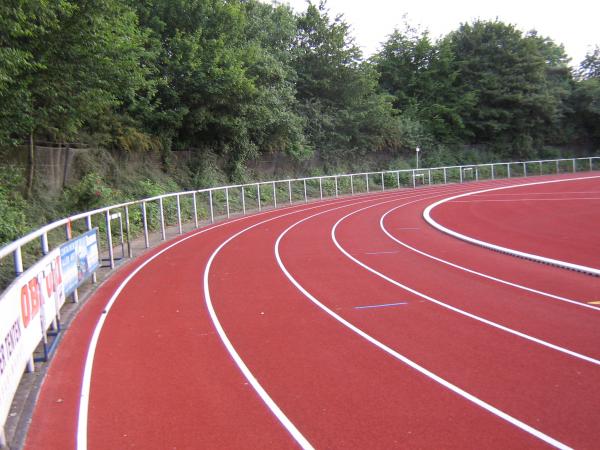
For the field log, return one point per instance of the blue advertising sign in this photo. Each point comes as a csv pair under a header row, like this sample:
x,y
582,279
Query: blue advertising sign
x,y
79,259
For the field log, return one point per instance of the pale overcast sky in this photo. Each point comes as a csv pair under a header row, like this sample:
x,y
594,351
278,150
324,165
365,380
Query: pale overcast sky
x,y
574,23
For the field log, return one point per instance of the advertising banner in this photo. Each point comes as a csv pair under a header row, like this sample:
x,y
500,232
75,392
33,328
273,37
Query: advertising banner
x,y
79,259
27,309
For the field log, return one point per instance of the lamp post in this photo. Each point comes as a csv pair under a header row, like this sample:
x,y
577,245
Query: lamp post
x,y
418,150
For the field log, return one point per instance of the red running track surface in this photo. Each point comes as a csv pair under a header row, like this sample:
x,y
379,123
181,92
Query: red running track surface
x,y
364,326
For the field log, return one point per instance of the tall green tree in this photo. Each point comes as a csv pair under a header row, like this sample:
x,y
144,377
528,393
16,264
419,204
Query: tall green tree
x,y
586,100
337,91
72,63
223,83
420,75
507,74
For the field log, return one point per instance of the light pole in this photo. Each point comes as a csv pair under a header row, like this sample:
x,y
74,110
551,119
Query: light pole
x,y
418,150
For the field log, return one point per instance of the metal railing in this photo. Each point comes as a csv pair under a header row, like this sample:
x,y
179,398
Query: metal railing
x,y
140,216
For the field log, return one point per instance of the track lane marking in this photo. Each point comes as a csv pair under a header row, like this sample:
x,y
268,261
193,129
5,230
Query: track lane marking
x,y
474,272
512,200
447,306
470,397
555,262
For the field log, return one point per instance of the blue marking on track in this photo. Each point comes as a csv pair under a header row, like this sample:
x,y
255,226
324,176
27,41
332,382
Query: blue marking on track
x,y
381,306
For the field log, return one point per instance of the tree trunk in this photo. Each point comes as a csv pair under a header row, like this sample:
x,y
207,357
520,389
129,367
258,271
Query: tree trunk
x,y
30,166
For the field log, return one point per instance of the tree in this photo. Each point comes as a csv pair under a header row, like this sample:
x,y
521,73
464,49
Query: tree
x,y
223,84
421,77
586,99
337,91
70,63
507,73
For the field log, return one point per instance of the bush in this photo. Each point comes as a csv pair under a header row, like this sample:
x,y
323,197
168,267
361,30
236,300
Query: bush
x,y
91,193
13,223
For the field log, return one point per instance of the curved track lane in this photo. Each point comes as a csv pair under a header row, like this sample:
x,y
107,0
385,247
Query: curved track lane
x,y
162,377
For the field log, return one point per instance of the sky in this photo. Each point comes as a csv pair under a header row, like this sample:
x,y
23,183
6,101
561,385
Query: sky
x,y
572,23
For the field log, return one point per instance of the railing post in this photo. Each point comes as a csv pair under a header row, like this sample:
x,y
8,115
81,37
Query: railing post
x,y
476,173
524,169
274,196
305,193
493,175
508,169
367,178
414,181
258,196
541,170
352,184
321,187
398,178
445,177
574,166
243,201
382,182
44,243
336,185
111,256
557,167
429,176
69,235
195,205
121,239
18,261
88,221
162,219
460,170
591,165
227,201
211,207
128,231
145,224
290,190
179,215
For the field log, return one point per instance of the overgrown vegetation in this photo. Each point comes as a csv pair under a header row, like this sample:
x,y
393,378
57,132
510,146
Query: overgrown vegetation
x,y
233,83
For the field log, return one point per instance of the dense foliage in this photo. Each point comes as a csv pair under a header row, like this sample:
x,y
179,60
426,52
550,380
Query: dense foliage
x,y
236,80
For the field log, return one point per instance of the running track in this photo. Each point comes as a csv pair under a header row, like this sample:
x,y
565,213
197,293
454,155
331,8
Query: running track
x,y
350,323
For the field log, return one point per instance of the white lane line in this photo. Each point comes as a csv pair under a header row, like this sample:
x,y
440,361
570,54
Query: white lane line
x,y
512,200
470,397
445,305
550,193
474,272
554,262
265,397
